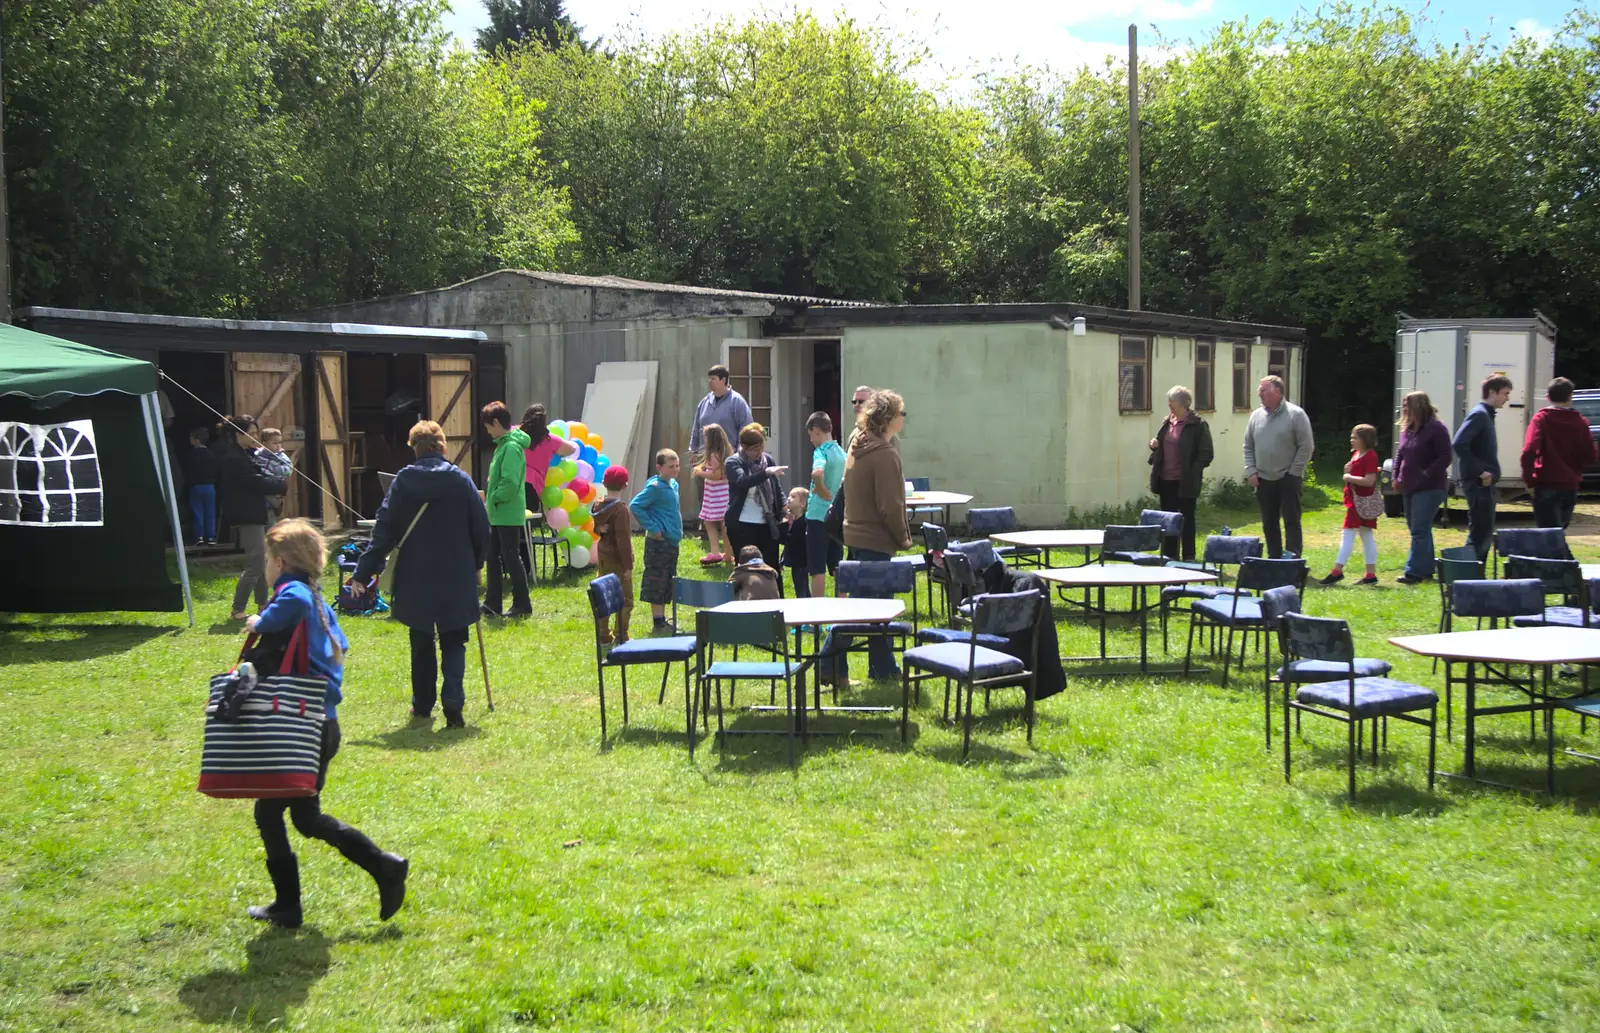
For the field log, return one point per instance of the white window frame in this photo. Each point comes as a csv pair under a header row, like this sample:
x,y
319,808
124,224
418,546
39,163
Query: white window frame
x,y
773,415
39,433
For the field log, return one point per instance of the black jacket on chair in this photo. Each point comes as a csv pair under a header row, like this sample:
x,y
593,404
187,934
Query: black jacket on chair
x,y
1194,455
436,574
246,488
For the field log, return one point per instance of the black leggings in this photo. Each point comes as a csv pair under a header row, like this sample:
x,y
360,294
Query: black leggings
x,y
310,822
742,534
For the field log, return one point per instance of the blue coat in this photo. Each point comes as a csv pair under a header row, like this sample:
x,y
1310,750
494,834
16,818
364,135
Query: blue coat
x,y
436,582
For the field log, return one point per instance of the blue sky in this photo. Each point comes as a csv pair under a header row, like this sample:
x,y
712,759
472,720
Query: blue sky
x,y
964,36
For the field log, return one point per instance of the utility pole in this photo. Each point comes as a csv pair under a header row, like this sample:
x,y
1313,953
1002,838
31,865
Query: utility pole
x,y
5,229
1133,168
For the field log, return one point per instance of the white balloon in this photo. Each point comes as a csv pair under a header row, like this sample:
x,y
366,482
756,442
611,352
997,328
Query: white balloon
x,y
580,557
600,492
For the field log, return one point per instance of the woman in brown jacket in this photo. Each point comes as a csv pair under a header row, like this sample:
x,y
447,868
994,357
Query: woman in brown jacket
x,y
875,525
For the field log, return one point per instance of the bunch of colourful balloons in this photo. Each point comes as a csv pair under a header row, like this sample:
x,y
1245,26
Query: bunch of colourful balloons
x,y
571,489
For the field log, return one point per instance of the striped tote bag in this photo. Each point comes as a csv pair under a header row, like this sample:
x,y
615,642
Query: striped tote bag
x,y
273,747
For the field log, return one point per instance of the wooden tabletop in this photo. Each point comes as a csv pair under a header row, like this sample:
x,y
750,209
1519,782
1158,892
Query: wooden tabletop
x,y
1509,645
1124,575
821,610
1064,539
937,498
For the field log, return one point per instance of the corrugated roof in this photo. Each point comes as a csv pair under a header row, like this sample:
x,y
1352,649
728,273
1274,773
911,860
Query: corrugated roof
x,y
279,325
622,283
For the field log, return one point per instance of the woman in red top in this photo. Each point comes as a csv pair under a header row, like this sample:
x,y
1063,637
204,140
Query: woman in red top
x,y
1360,478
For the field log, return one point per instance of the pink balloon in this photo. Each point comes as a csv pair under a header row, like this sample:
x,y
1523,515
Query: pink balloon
x,y
585,472
558,518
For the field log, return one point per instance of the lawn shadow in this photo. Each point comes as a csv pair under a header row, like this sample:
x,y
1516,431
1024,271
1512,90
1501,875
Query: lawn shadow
x,y
72,642
421,738
280,968
1392,797
768,749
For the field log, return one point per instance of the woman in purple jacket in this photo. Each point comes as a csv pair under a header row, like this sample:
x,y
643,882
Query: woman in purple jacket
x,y
1422,473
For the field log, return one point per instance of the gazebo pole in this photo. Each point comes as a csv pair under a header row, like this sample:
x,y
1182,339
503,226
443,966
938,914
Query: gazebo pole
x,y
151,405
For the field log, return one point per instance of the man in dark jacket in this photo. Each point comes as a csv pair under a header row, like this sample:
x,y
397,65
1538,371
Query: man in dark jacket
x,y
1478,455
435,584
246,490
1554,455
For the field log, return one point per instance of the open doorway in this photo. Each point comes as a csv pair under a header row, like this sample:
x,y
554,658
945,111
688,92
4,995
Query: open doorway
x,y
388,393
826,388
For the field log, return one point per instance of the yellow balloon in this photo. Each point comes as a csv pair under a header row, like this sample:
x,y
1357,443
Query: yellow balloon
x,y
598,442
569,499
579,431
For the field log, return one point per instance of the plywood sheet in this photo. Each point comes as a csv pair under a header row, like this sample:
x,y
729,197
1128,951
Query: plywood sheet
x,y
642,448
614,409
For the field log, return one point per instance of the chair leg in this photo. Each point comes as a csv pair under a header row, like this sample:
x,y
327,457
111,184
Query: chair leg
x,y
1266,691
905,701
947,702
966,735
1227,655
1433,741
1028,688
1286,733
1350,755
1188,653
788,710
688,708
624,672
602,676
722,733
661,697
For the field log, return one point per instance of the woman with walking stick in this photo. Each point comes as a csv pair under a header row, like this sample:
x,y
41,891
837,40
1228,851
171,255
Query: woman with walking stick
x,y
435,526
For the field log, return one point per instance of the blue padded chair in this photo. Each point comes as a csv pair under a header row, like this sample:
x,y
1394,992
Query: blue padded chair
x,y
1563,578
912,512
874,579
1496,601
1220,551
605,600
1351,698
1133,543
1460,563
935,540
1276,603
1240,611
999,520
1546,543
700,595
1171,525
976,666
964,584
763,629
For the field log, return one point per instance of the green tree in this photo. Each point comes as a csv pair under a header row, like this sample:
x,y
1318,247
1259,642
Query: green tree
x,y
514,23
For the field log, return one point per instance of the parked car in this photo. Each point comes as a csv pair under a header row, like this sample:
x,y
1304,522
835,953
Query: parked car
x,y
1587,401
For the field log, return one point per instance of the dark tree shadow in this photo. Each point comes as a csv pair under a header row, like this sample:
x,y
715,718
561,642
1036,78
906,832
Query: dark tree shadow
x,y
280,967
421,738
65,643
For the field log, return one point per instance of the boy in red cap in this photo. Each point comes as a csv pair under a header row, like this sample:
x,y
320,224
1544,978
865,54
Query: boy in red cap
x,y
613,526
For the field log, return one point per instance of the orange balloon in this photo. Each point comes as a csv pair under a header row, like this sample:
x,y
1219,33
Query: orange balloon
x,y
578,431
588,526
598,442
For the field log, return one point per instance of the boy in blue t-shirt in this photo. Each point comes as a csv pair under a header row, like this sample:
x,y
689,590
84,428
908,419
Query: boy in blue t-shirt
x,y
827,474
656,510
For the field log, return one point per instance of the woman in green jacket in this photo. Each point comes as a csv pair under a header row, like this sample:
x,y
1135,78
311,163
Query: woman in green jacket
x,y
504,497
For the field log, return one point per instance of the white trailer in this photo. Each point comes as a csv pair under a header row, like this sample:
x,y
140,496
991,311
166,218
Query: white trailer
x,y
1449,359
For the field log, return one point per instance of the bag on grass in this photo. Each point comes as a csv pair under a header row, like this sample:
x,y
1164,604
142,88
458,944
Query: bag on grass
x,y
263,732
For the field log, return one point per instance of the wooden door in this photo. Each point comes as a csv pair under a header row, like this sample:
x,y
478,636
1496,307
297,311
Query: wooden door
x,y
450,405
333,438
264,386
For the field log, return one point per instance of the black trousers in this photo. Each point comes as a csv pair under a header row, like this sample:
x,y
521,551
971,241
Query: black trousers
x,y
425,672
1552,507
1480,517
741,534
1172,502
310,822
505,557
1280,498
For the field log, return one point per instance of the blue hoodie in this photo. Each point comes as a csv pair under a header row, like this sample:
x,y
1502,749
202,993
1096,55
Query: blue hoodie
x,y
656,509
293,601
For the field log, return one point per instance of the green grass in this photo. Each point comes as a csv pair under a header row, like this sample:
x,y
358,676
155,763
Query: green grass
x,y
1142,867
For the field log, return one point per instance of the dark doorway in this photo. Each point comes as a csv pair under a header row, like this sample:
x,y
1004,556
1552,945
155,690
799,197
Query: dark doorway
x,y
204,374
387,395
825,386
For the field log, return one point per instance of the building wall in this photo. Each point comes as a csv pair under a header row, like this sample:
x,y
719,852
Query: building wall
x,y
985,406
1026,415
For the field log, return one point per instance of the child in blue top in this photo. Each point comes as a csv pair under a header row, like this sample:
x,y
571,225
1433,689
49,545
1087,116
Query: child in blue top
x,y
296,557
656,510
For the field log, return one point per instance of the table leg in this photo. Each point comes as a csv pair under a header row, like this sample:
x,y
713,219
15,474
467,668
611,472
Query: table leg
x,y
1472,706
1101,598
1144,649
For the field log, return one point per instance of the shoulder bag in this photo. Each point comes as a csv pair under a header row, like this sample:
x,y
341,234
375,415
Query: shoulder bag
x,y
386,579
263,739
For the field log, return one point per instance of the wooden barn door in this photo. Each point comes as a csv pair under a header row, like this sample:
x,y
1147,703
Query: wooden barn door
x,y
333,437
450,405
265,386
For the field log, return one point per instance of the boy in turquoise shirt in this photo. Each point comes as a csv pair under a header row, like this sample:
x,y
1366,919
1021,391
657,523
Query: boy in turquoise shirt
x,y
827,474
656,510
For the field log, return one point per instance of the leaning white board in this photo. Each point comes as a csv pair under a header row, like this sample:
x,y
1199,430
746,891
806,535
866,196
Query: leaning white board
x,y
641,454
611,409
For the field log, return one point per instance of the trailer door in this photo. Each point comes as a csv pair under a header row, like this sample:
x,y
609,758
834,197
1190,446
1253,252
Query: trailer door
x,y
1506,352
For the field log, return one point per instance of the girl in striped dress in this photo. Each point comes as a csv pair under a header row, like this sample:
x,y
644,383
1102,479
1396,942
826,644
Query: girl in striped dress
x,y
714,491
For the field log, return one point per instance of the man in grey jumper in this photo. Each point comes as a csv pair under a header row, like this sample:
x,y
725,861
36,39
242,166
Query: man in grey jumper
x,y
723,406
1277,447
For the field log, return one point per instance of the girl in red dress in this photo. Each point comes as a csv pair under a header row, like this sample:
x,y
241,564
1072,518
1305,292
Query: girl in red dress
x,y
1360,478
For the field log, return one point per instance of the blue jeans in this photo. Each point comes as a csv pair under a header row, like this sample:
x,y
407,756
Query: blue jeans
x,y
1421,507
834,662
203,507
1480,517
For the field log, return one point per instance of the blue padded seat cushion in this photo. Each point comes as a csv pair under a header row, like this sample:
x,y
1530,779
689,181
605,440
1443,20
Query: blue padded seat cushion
x,y
652,651
1307,671
1221,609
1558,616
891,628
916,562
929,636
1143,559
1374,696
951,659
748,669
1200,592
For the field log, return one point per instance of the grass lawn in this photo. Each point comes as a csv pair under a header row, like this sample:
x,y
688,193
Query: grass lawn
x,y
1142,867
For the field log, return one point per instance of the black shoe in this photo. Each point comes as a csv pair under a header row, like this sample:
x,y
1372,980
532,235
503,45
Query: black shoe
x,y
486,611
1407,579
1332,579
519,611
391,878
663,628
284,911
416,716
453,719
1370,579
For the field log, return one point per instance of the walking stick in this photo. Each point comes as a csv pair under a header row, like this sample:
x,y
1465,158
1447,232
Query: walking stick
x,y
483,661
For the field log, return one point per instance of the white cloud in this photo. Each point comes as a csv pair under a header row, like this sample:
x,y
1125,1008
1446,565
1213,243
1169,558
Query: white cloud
x,y
1533,29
